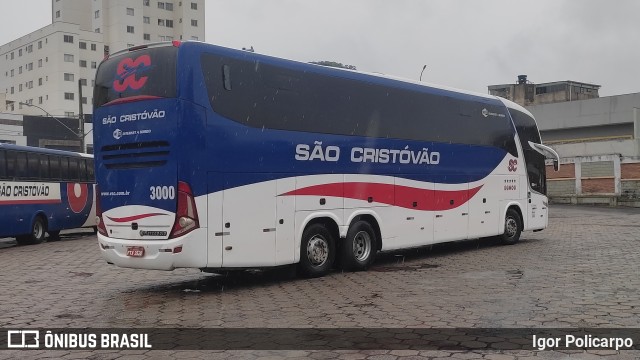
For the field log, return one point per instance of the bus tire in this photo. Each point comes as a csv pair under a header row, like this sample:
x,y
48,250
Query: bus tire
x,y
512,227
359,248
317,251
38,230
54,235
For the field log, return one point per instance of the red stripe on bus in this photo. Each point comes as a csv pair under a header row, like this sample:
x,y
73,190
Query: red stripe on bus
x,y
134,217
132,99
390,194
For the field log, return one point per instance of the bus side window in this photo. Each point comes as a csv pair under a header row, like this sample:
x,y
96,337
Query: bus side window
x,y
44,167
21,165
73,170
33,166
11,165
82,176
91,170
64,168
54,167
3,165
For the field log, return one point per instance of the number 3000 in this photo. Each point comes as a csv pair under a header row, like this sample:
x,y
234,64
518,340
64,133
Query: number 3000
x,y
162,192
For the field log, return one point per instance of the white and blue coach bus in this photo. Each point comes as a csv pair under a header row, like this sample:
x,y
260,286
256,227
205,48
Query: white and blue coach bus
x,y
44,191
218,159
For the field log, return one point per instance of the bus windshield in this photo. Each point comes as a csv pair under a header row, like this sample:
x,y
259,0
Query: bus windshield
x,y
141,74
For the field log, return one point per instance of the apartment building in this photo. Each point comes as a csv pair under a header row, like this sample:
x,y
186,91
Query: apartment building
x,y
47,67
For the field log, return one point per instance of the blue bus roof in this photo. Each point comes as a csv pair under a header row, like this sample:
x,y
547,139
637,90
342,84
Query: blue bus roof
x,y
5,146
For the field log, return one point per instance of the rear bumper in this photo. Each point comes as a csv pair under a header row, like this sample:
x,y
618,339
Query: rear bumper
x,y
158,254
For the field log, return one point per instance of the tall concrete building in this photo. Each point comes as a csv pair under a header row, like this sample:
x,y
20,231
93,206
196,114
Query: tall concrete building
x,y
43,68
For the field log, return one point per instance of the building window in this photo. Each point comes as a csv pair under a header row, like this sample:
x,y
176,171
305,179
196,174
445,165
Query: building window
x,y
12,89
19,87
82,45
146,20
68,96
68,39
194,6
40,44
83,82
11,56
84,99
169,23
40,100
30,84
39,63
11,72
160,22
130,11
30,48
83,63
94,64
168,6
147,37
97,30
57,14
20,52
40,82
130,29
96,14
69,113
160,5
68,58
194,22
145,2
93,47
194,38
29,66
68,77
20,70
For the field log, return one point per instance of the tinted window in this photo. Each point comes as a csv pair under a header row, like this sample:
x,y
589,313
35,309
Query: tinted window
x,y
528,131
144,72
33,166
261,95
82,175
54,166
44,166
21,165
64,168
73,169
3,164
11,164
91,170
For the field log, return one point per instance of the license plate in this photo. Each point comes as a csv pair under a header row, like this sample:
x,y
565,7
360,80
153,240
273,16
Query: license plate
x,y
135,251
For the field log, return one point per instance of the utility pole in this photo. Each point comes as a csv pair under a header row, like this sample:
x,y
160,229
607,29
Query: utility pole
x,y
80,117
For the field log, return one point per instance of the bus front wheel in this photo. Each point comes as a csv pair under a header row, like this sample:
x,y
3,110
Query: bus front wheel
x,y
359,248
512,227
317,251
38,230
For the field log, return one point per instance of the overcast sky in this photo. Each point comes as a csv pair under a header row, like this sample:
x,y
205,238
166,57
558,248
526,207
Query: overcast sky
x,y
468,44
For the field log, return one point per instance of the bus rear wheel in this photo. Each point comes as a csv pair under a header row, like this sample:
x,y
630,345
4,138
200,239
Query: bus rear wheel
x,y
317,251
359,248
512,228
38,230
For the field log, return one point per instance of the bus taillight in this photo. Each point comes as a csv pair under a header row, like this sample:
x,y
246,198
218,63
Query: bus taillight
x,y
99,223
186,214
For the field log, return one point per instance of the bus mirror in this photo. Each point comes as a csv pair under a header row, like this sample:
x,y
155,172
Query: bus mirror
x,y
556,165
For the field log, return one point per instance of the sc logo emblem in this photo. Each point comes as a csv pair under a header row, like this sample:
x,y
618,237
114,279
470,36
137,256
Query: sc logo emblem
x,y
129,73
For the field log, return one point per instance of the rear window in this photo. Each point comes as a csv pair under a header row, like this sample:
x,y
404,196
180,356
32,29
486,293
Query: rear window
x,y
146,72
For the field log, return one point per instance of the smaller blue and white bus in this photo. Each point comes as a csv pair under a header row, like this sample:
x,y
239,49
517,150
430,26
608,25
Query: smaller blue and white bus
x,y
44,191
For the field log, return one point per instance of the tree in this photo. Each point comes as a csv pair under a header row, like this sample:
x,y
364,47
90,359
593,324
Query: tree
x,y
334,64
